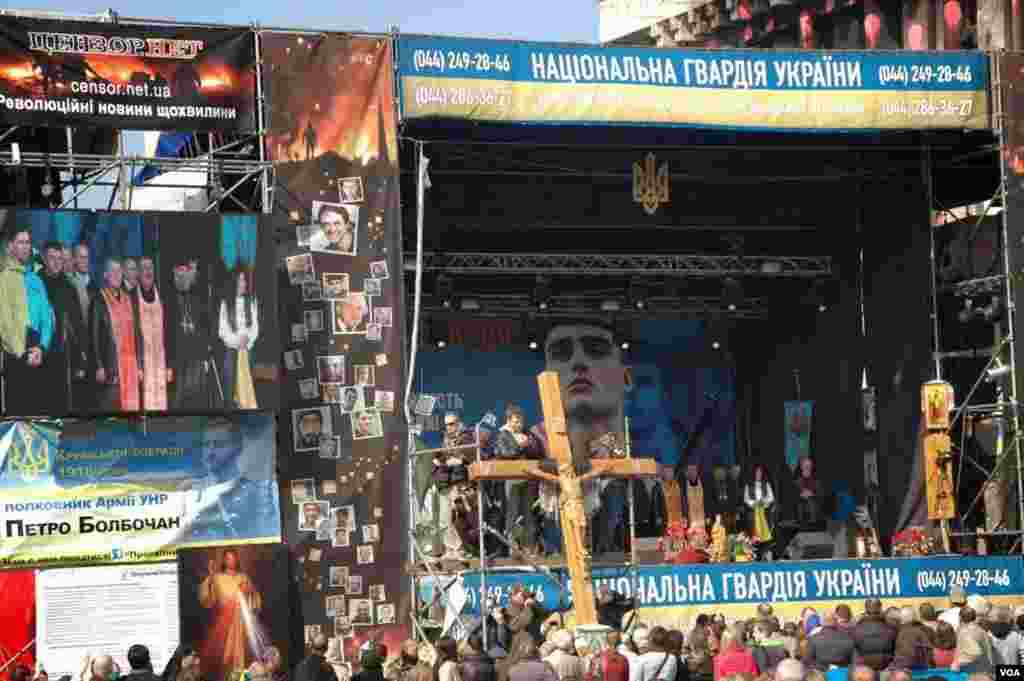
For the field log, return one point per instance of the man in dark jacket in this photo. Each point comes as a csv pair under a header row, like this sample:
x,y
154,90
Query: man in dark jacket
x,y
913,642
142,667
315,667
612,607
476,665
829,647
874,640
768,649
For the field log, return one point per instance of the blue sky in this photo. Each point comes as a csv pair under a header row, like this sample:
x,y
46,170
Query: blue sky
x,y
557,20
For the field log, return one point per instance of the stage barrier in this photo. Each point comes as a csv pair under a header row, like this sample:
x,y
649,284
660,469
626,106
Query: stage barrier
x,y
673,595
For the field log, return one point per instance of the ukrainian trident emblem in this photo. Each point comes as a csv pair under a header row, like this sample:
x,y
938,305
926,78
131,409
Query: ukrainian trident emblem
x,y
650,184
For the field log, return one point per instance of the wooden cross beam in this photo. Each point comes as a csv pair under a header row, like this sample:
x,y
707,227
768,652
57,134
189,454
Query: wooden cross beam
x,y
571,508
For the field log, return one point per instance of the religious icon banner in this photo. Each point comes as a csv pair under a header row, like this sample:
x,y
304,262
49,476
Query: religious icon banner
x,y
799,416
235,608
119,312
107,492
55,72
333,138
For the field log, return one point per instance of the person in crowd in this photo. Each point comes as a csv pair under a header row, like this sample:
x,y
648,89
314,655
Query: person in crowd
x,y
791,638
99,668
612,607
814,675
957,601
699,662
372,655
913,648
529,666
943,646
861,672
768,649
499,634
973,645
404,668
476,665
566,664
929,617
874,640
446,664
674,645
315,667
733,657
829,647
981,608
609,664
899,674
1006,641
844,617
140,663
789,670
185,660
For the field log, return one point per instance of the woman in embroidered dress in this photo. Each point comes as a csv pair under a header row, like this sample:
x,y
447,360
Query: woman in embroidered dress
x,y
239,328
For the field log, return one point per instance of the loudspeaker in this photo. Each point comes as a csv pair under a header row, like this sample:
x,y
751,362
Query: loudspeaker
x,y
811,546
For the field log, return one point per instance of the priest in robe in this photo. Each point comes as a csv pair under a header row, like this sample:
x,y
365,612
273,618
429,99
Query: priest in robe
x,y
697,497
67,360
115,342
149,310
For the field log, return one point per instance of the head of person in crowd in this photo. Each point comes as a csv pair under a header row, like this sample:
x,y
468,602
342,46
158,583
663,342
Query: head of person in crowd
x,y
641,639
674,642
764,611
967,615
873,607
900,675
789,670
658,639
957,596
860,672
563,641
928,614
980,605
102,668
945,636
138,658
908,616
844,616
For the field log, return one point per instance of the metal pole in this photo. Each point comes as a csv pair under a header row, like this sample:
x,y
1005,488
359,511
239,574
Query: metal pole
x,y
634,569
70,136
483,552
91,182
926,176
266,191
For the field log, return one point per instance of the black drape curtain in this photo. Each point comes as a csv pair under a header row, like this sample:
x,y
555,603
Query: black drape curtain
x,y
899,341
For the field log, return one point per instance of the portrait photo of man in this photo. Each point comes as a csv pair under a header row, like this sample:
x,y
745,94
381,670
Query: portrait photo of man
x,y
379,269
312,292
338,233
371,534
331,393
384,400
345,517
330,448
372,287
310,427
293,360
303,491
386,614
313,516
382,316
364,554
338,577
361,611
350,314
355,585
350,189
376,593
341,539
335,285
308,389
334,605
343,628
300,269
365,374
365,425
314,320
331,369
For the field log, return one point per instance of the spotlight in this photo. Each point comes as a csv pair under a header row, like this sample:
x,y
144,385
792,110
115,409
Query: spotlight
x,y
610,305
542,293
624,345
470,304
624,332
445,290
732,294
441,343
533,344
437,334
715,345
997,372
965,314
638,296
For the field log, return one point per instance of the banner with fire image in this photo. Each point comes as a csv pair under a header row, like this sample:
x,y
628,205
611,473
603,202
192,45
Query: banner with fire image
x,y
83,73
333,138
235,609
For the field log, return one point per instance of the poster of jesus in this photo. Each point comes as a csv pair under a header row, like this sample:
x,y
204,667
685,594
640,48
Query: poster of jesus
x,y
231,604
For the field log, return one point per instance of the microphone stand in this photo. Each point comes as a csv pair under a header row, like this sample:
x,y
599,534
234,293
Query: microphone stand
x,y
210,358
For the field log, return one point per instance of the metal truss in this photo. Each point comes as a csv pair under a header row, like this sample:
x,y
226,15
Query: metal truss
x,y
597,264
508,305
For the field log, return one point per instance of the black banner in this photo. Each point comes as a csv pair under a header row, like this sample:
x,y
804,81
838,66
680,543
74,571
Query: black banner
x,y
124,312
56,73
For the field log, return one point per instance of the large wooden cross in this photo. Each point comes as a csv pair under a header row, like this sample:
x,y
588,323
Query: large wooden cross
x,y
571,507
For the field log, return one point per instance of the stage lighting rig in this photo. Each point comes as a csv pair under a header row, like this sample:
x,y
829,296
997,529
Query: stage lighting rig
x,y
732,294
542,293
444,289
638,295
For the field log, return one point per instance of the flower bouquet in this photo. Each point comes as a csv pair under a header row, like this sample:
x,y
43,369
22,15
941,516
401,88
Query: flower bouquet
x,y
681,544
913,541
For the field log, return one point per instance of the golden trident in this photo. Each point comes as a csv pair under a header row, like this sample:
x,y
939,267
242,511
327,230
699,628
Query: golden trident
x,y
650,184
29,455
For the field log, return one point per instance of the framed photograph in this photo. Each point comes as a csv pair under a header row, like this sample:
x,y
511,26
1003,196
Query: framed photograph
x,y
364,554
298,333
338,228
314,320
371,534
293,360
308,389
349,315
343,629
338,576
312,292
330,448
352,399
376,593
360,611
335,285
386,614
425,405
310,632
345,516
379,269
331,369
314,516
384,401
303,490
300,269
364,374
341,538
350,190
380,359
366,425
355,585
315,555
374,332
329,488
303,233
335,605
310,426
382,316
372,287
331,393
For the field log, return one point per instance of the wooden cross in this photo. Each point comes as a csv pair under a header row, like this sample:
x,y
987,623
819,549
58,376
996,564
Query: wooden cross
x,y
571,508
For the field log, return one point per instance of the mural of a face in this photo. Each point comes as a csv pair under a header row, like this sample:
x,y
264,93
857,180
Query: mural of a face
x,y
590,371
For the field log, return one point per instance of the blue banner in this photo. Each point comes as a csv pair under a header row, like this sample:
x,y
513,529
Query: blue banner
x,y
684,590
503,81
117,491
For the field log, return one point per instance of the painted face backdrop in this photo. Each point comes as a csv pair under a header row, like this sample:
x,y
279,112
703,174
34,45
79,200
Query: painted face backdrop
x,y
333,138
234,606
158,312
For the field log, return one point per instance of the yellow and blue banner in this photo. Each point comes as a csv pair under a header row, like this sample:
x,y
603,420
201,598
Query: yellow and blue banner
x,y
536,83
104,492
674,595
